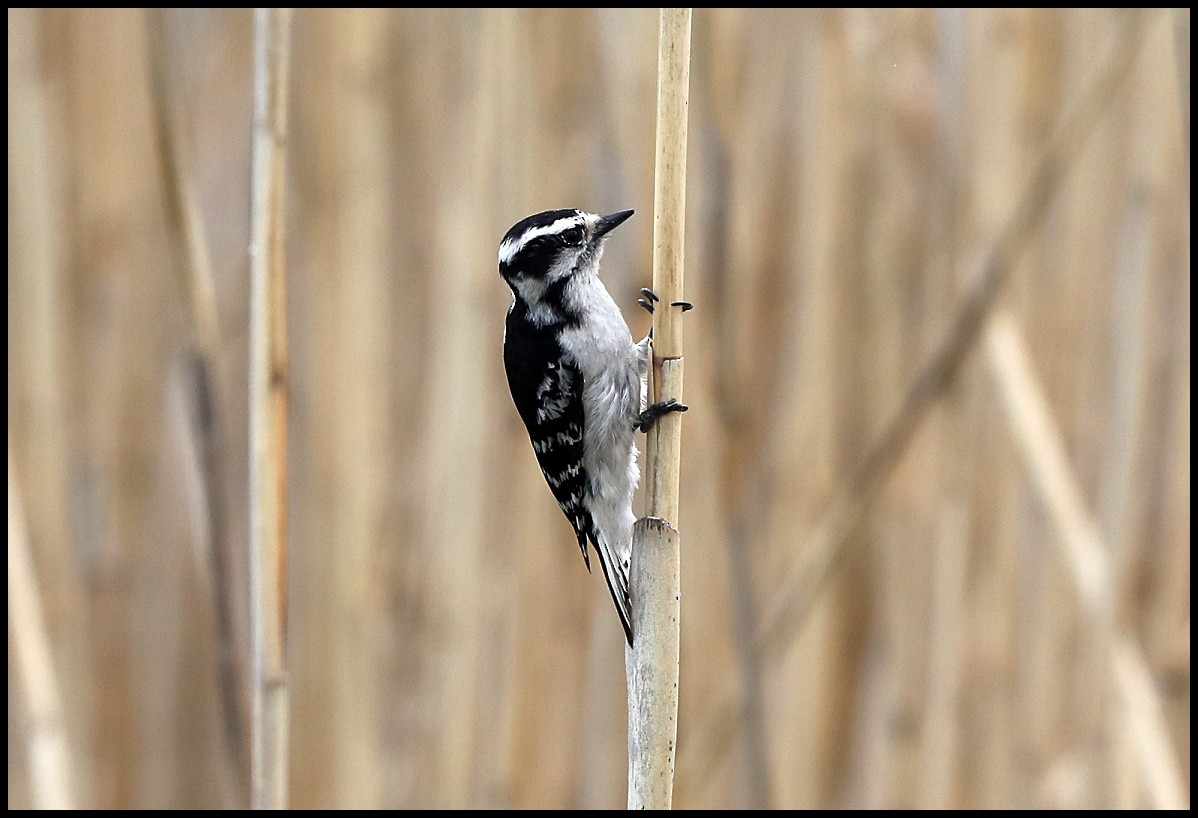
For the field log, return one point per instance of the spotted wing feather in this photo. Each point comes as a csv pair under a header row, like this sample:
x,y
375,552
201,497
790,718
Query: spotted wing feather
x,y
547,390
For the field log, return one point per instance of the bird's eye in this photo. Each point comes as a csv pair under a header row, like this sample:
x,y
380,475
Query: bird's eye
x,y
573,236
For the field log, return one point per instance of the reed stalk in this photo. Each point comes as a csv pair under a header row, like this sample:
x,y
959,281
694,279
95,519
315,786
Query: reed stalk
x,y
652,661
269,415
29,642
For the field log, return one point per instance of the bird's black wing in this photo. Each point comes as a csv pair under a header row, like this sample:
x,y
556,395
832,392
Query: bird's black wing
x,y
546,386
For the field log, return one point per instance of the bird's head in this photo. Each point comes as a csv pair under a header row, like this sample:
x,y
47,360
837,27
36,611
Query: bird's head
x,y
550,248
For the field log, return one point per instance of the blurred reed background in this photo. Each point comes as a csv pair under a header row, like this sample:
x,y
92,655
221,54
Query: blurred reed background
x,y
1007,627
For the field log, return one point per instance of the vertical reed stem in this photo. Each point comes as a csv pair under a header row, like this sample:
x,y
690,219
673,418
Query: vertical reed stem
x,y
652,662
268,413
29,643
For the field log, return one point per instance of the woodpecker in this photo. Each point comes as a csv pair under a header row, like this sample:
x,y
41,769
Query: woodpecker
x,y
579,380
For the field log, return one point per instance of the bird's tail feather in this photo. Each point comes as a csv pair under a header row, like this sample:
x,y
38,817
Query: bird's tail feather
x,y
616,575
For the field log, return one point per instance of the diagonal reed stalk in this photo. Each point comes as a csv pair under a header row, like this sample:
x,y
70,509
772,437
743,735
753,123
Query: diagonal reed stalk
x,y
652,662
193,269
268,414
1089,561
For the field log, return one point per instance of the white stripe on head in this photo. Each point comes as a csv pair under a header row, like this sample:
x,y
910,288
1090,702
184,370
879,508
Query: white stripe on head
x,y
511,248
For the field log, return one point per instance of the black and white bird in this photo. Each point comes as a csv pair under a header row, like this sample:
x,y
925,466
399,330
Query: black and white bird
x,y
578,380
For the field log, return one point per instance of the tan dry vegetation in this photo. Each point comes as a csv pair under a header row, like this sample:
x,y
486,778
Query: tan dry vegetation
x,y
1005,619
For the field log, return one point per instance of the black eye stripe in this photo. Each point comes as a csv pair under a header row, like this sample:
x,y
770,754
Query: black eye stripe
x,y
532,253
571,237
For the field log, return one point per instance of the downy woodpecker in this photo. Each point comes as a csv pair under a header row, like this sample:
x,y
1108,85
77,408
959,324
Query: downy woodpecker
x,y
578,380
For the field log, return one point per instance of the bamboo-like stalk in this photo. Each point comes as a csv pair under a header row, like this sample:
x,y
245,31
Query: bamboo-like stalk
x,y
41,424
652,661
193,270
49,756
268,414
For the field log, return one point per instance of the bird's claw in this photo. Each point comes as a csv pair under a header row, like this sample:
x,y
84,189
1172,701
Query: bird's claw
x,y
647,418
651,298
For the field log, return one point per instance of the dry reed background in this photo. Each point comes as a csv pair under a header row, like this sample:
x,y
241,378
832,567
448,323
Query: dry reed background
x,y
848,172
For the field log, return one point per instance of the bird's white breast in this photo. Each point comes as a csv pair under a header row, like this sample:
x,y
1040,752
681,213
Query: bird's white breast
x,y
603,348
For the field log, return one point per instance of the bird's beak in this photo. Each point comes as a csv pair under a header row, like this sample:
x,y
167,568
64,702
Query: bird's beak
x,y
606,224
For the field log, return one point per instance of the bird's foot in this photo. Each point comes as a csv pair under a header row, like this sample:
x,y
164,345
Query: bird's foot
x,y
651,298
647,418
